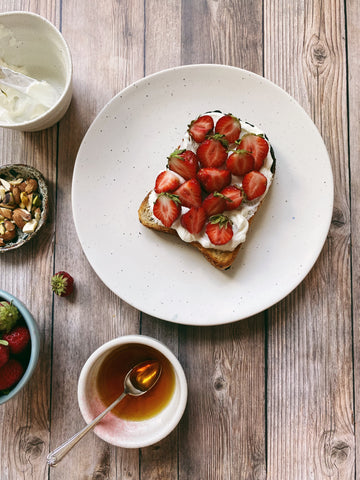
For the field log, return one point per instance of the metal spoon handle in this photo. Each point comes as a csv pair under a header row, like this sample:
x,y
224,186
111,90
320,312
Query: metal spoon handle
x,y
59,453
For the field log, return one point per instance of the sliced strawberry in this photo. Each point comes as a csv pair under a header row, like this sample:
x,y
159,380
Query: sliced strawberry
x,y
183,162
229,126
199,128
212,152
194,219
257,146
214,203
219,229
166,181
254,184
167,208
214,179
233,197
240,162
189,193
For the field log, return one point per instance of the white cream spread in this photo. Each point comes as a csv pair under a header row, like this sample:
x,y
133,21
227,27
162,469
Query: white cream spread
x,y
22,98
240,217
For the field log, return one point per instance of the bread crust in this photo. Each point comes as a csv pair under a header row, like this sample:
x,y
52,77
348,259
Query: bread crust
x,y
218,258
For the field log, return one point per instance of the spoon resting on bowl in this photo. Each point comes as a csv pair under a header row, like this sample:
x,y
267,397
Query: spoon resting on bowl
x,y
139,380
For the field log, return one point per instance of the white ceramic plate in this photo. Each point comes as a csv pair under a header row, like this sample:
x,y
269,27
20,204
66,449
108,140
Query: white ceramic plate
x,y
117,163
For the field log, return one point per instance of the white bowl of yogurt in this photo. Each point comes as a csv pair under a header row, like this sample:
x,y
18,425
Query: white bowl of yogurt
x,y
35,72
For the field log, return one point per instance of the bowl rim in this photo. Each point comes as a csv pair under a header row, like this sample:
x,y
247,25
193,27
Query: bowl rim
x,y
45,208
69,70
35,344
162,348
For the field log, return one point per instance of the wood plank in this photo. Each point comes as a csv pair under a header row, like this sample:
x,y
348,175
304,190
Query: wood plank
x,y
310,393
25,273
225,419
105,40
353,62
162,50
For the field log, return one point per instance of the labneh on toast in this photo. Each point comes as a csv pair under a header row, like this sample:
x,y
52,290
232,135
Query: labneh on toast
x,y
212,186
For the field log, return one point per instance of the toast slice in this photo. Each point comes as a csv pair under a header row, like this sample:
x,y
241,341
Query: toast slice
x,y
220,258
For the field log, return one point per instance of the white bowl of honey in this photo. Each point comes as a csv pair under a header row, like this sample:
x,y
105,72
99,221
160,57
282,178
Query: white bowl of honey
x,y
137,421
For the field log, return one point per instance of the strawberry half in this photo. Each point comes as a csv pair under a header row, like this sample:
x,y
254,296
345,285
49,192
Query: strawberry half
x,y
199,128
254,184
219,229
229,126
62,284
257,146
189,193
166,181
10,373
233,197
4,352
214,203
183,162
212,152
18,339
194,219
240,162
214,179
167,208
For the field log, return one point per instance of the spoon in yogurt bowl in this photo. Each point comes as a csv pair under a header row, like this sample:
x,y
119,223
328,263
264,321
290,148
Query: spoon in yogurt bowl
x,y
139,380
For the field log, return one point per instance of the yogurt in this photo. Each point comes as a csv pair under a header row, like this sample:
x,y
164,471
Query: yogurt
x,y
239,217
23,98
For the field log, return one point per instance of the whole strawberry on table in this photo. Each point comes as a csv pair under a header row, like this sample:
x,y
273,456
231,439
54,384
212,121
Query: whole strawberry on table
x,y
15,346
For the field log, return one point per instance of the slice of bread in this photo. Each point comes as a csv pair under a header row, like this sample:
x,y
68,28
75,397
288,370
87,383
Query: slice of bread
x,y
220,259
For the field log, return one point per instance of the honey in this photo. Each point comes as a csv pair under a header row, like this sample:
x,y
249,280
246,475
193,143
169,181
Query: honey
x,y
110,382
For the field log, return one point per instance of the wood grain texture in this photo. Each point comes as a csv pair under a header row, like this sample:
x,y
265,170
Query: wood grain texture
x,y
310,384
272,397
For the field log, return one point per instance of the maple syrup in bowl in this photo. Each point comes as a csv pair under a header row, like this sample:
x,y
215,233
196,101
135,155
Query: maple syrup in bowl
x,y
136,421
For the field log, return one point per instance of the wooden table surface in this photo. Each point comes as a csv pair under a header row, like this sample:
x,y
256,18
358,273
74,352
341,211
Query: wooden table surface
x,y
278,396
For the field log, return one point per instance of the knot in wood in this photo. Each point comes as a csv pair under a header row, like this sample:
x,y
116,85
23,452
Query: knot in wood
x,y
340,451
317,54
34,448
338,218
219,383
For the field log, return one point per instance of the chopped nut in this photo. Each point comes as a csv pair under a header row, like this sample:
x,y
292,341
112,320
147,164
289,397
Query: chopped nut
x,y
24,200
20,217
6,212
16,181
2,229
30,227
9,226
30,199
2,243
22,186
37,214
16,194
31,185
5,184
8,235
2,193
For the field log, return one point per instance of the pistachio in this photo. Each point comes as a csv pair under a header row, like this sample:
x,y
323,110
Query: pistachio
x,y
2,229
31,185
30,227
5,184
8,199
36,201
24,200
6,212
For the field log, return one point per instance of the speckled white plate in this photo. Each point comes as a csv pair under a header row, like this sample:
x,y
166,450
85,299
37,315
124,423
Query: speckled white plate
x,y
125,148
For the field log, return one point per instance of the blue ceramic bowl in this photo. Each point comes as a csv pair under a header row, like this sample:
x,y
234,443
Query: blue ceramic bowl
x,y
35,344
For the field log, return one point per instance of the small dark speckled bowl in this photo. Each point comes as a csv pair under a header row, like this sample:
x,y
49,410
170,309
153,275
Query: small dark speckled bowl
x,y
12,171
